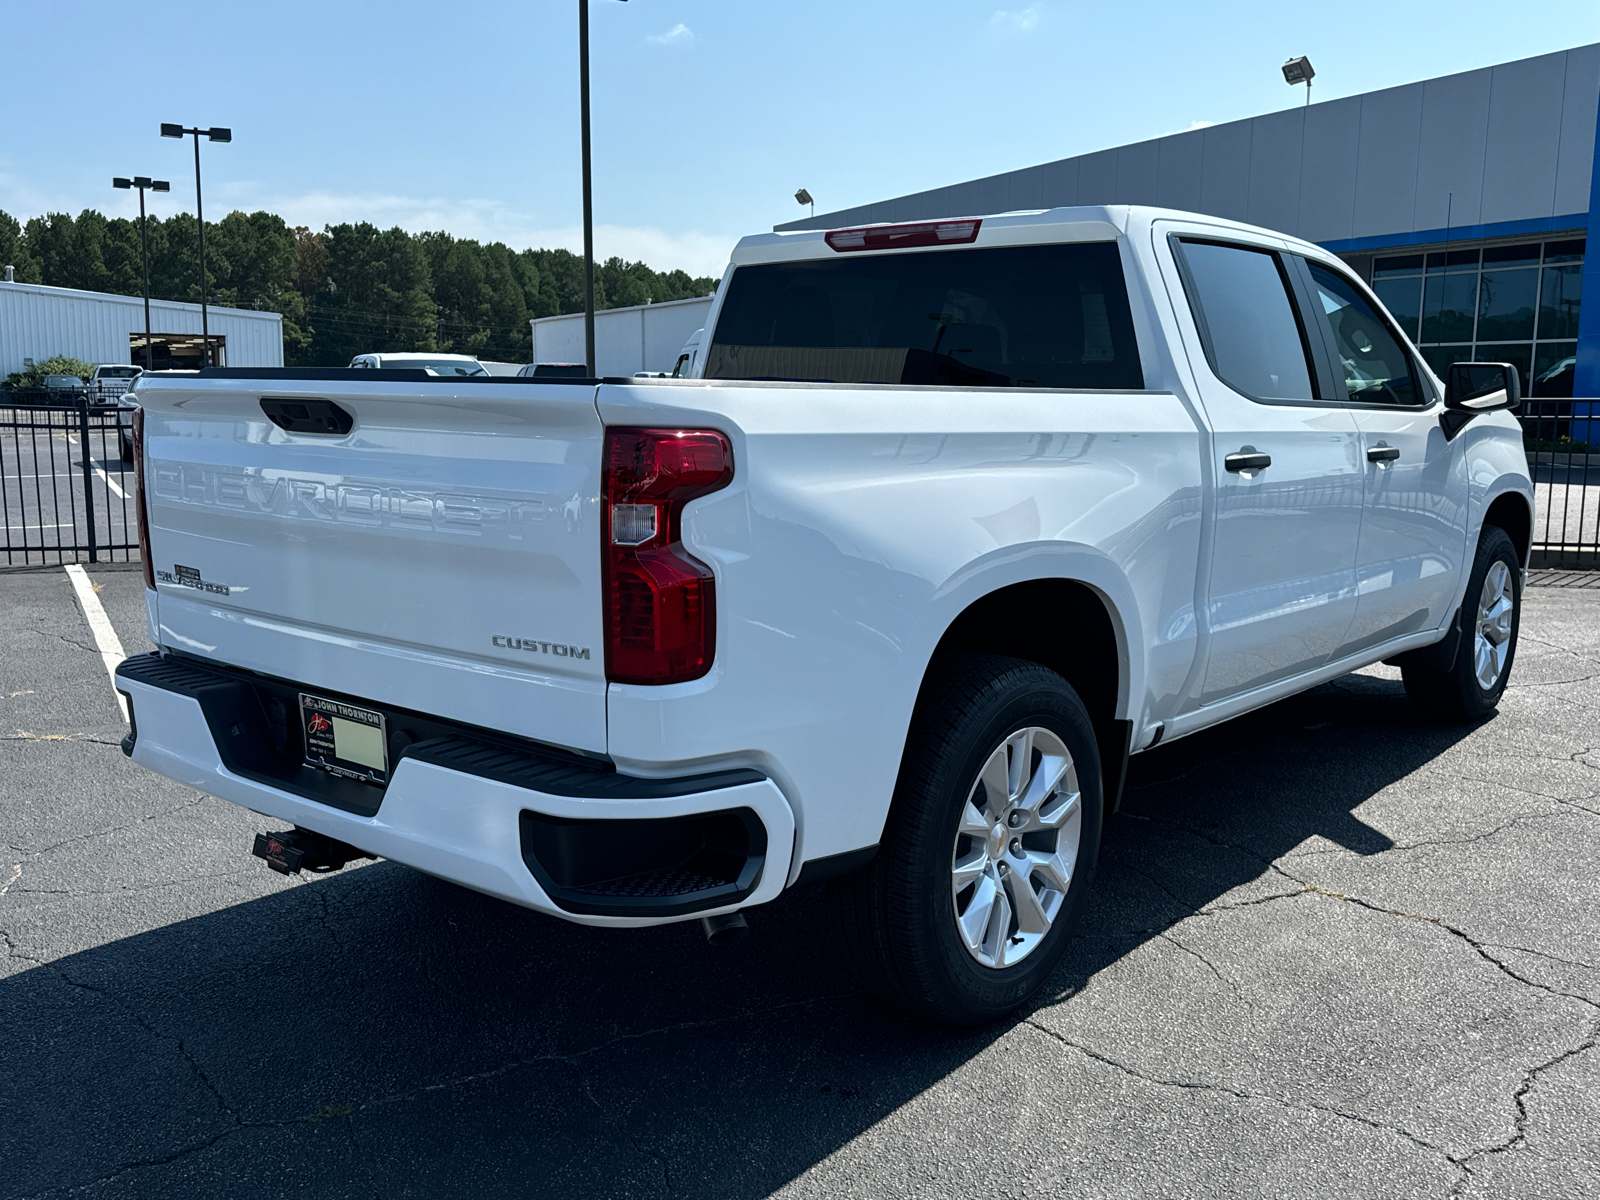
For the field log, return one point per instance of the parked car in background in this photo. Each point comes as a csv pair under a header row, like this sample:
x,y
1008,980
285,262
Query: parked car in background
x,y
110,380
63,389
449,366
949,519
554,371
127,405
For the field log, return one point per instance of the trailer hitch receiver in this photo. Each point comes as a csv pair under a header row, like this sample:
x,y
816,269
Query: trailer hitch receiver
x,y
304,850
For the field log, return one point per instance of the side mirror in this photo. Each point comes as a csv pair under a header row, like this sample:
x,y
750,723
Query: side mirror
x,y
1472,389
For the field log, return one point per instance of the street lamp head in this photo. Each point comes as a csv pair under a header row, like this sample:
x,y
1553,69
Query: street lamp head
x,y
803,197
218,134
1298,70
119,182
141,181
160,185
170,130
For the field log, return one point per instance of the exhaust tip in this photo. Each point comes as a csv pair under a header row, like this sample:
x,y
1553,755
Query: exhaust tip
x,y
726,928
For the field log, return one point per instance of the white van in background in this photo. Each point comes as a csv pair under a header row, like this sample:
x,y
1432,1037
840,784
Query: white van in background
x,y
688,357
448,365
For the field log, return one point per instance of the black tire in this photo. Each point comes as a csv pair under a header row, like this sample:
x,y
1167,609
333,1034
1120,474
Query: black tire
x,y
1457,694
897,916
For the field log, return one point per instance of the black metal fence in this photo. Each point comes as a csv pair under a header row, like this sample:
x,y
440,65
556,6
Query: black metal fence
x,y
1562,438
67,480
67,489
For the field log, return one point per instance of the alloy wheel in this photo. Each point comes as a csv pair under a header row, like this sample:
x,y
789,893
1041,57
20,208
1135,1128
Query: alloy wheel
x,y
1492,630
1016,847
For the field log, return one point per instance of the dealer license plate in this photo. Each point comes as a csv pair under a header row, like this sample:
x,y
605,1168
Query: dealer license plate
x,y
344,739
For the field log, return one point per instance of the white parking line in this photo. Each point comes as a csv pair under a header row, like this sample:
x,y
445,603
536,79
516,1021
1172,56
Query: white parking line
x,y
105,636
100,471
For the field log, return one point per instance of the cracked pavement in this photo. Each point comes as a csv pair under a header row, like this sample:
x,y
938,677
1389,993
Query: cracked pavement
x,y
1332,950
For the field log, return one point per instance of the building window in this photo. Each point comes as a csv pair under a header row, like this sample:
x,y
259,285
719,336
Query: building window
x,y
1514,303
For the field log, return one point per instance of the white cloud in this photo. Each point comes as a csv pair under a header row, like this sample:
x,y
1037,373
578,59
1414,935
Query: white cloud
x,y
1190,128
1022,20
488,221
679,35
22,198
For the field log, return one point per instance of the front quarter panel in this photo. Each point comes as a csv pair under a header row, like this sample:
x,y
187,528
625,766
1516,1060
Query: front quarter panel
x,y
1495,463
860,523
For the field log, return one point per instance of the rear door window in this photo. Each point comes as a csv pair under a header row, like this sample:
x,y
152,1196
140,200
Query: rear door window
x,y
1240,297
1053,316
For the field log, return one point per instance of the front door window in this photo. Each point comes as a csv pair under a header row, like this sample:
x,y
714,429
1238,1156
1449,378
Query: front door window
x,y
1376,367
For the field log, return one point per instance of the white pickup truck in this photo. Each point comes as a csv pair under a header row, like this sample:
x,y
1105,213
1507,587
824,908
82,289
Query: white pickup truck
x,y
957,516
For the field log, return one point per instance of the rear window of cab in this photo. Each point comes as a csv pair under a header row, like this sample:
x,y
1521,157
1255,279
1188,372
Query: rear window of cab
x,y
1052,316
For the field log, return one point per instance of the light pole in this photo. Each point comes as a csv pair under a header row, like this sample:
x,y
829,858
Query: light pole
x,y
804,197
588,194
155,185
1298,70
217,134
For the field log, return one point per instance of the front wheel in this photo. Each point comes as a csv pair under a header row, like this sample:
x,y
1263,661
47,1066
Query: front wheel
x,y
989,848
1490,616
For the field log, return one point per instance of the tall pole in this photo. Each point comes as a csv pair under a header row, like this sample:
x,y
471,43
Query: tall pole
x,y
199,212
588,197
144,271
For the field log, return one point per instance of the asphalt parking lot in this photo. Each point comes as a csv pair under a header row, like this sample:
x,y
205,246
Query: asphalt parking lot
x,y
1333,951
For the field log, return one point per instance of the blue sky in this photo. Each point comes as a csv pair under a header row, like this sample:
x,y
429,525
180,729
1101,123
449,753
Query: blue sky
x,y
708,114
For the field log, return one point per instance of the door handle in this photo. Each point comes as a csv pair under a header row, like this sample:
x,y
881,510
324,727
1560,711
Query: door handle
x,y
1382,454
1247,459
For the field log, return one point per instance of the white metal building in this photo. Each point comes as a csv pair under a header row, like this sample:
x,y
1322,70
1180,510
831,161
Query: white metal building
x,y
38,322
646,337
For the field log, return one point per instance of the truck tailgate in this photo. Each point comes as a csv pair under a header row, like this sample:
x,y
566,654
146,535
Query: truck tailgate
x,y
441,556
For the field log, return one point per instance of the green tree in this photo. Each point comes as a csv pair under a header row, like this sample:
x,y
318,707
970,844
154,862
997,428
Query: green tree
x,y
376,296
70,253
309,279
341,291
14,250
482,308
561,283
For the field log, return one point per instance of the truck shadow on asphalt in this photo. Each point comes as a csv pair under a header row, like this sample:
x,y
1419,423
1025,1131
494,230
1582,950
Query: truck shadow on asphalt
x,y
377,1032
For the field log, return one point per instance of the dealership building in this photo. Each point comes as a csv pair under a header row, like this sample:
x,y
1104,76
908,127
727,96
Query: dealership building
x,y
37,323
1464,200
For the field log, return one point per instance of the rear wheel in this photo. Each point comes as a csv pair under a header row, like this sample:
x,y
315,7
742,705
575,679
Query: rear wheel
x,y
989,848
1490,616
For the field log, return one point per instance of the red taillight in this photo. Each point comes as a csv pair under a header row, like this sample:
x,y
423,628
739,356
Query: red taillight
x,y
138,496
660,602
904,237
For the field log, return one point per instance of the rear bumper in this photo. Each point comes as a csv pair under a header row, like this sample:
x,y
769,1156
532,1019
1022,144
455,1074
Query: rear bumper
x,y
462,812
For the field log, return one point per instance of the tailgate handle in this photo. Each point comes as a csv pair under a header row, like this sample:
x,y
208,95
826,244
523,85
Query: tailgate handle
x,y
308,416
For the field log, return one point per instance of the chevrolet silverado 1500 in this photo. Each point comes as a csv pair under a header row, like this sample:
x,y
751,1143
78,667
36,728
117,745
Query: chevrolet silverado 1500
x,y
955,517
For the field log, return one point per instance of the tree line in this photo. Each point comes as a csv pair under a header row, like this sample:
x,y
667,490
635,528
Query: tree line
x,y
348,289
